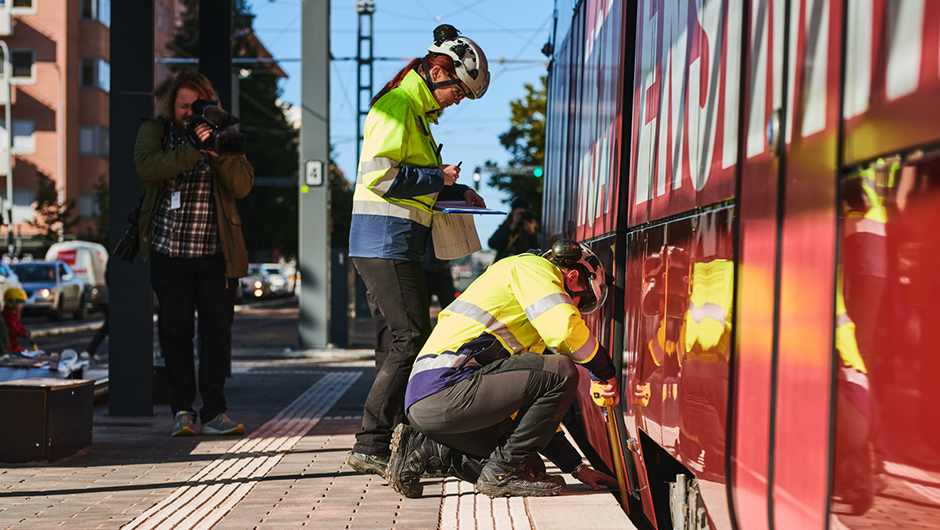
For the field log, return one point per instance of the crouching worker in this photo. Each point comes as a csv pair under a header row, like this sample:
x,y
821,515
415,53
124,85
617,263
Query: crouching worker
x,y
484,398
14,299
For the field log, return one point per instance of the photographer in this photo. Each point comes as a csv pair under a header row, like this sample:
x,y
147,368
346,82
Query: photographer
x,y
190,232
518,233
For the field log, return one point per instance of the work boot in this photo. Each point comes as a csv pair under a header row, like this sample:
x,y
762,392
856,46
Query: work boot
x,y
414,456
368,464
499,481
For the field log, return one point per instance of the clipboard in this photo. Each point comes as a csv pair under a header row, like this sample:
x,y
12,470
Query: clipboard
x,y
454,235
460,207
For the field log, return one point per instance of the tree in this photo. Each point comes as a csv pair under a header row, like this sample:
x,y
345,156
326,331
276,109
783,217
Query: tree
x,y
525,141
269,214
53,218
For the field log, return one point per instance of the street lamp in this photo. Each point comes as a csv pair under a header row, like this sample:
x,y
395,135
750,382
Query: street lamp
x,y
8,121
476,178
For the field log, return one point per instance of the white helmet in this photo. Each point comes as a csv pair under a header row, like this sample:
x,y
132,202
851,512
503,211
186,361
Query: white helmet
x,y
574,255
469,59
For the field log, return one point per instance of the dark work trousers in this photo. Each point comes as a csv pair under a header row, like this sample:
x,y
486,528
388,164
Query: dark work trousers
x,y
101,334
398,299
183,286
475,415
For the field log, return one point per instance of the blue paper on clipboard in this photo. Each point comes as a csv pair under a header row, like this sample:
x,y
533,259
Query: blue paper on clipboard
x,y
460,207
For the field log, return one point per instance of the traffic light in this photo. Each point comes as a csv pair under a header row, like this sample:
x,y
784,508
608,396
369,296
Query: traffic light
x,y
537,172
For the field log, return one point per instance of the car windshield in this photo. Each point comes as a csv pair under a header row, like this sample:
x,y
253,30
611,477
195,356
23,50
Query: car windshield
x,y
273,271
35,272
254,271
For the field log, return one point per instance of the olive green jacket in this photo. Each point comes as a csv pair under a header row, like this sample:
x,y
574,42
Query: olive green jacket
x,y
232,178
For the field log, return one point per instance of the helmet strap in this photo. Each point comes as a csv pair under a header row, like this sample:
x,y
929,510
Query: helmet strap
x,y
432,85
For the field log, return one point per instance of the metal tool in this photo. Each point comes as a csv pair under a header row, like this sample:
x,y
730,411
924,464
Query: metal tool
x,y
614,435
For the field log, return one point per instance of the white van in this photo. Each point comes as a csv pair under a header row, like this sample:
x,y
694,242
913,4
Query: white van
x,y
88,261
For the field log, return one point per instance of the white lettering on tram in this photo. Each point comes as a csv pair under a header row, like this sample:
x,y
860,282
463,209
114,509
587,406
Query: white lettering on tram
x,y
906,24
858,59
816,31
679,119
594,167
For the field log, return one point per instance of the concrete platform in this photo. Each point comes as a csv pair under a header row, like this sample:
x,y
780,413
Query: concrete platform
x,y
289,471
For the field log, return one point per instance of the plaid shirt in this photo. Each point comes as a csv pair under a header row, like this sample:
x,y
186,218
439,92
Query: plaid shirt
x,y
192,230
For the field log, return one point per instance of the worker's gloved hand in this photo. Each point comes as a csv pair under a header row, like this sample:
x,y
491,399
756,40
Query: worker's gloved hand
x,y
595,479
606,393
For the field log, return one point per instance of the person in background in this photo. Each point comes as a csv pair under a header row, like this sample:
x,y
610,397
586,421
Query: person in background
x,y
401,175
190,233
518,233
13,300
105,327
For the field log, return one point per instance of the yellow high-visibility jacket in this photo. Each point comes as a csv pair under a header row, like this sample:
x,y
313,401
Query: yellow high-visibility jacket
x,y
519,304
399,176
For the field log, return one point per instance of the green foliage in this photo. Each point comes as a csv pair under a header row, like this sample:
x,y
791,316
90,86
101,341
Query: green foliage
x,y
53,218
269,215
525,141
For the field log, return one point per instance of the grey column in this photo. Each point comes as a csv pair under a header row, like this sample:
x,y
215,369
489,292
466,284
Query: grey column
x,y
215,47
130,352
314,259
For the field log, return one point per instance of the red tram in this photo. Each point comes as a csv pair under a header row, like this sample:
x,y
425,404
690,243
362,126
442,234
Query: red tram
x,y
763,178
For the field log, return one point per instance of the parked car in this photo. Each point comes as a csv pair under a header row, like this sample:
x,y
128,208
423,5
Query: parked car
x,y
88,262
51,288
277,279
254,286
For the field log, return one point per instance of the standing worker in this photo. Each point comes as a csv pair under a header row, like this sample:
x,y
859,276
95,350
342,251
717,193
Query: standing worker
x,y
484,396
400,177
190,232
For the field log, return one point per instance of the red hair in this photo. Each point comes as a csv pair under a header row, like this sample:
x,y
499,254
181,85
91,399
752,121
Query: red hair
x,y
434,59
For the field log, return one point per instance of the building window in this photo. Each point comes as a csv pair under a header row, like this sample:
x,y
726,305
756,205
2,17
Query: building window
x,y
93,140
23,199
88,205
24,137
22,62
99,10
95,73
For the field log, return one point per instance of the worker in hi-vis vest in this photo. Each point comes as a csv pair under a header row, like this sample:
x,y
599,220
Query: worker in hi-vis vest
x,y
486,396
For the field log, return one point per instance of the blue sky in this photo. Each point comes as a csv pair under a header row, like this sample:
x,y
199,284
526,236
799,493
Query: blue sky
x,y
513,30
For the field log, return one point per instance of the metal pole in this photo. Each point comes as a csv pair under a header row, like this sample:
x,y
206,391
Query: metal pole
x,y
365,8
314,201
131,336
215,46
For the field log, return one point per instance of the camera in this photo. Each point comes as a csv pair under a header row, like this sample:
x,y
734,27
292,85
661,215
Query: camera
x,y
528,215
128,246
221,141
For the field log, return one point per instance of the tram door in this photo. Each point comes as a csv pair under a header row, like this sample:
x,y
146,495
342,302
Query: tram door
x,y
786,282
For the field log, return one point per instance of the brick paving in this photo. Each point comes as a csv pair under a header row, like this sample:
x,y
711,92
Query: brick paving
x,y
288,472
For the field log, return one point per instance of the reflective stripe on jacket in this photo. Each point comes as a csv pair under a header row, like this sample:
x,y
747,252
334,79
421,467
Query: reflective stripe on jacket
x,y
519,304
399,178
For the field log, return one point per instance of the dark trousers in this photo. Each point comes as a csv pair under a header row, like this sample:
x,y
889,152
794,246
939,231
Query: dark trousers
x,y
441,283
475,415
398,299
101,334
183,286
